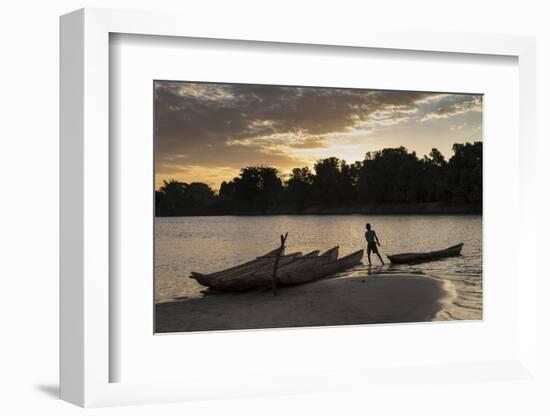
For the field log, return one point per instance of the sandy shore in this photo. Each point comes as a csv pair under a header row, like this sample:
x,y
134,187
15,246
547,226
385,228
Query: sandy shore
x,y
381,298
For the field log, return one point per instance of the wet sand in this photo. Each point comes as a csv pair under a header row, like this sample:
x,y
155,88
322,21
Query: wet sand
x,y
385,298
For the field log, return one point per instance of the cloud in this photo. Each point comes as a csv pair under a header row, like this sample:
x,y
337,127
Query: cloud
x,y
459,126
452,105
192,119
281,141
311,142
218,112
209,125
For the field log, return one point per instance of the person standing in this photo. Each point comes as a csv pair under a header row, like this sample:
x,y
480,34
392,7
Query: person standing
x,y
372,243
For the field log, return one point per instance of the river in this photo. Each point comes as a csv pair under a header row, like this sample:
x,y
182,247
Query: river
x,y
208,244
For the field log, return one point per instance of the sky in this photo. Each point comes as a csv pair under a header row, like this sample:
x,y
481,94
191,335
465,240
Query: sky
x,y
207,132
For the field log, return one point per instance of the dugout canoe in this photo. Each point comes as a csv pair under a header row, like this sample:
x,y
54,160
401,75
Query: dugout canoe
x,y
239,267
284,261
426,256
321,270
264,262
287,274
264,266
296,275
325,270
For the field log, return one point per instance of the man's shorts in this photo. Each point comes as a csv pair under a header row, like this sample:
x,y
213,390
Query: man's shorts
x,y
372,247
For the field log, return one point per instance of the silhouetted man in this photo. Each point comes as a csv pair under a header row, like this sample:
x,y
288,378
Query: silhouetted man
x,y
372,242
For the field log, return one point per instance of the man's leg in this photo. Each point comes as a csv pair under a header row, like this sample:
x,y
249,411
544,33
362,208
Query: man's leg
x,y
368,256
379,256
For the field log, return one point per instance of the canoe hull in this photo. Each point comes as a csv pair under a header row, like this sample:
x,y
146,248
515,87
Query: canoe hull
x,y
324,270
264,262
298,275
263,278
293,269
252,264
219,281
408,258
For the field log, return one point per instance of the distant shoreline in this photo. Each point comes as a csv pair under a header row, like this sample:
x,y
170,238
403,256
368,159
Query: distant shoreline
x,y
383,209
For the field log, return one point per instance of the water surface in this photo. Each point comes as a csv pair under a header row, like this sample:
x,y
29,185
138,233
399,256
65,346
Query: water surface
x,y
208,244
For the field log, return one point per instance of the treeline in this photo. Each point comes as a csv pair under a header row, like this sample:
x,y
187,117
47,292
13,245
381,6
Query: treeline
x,y
388,180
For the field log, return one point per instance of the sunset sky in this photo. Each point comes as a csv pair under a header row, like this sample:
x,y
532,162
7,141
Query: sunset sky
x,y
207,132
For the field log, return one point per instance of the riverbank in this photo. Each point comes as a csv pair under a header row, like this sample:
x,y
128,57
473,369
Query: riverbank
x,y
428,208
342,301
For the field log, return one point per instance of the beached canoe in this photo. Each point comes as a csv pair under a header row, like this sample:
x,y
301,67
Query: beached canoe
x,y
426,256
286,273
251,263
262,263
295,274
329,269
204,278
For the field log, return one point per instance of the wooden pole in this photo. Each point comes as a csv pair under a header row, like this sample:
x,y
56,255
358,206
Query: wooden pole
x,y
276,264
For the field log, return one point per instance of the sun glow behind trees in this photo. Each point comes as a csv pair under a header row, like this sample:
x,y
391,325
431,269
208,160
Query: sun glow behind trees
x,y
389,177
207,132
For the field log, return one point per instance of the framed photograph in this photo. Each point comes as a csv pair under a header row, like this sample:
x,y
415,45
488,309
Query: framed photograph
x,y
255,202
239,164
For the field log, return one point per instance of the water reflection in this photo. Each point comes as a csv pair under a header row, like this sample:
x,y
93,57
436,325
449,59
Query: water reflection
x,y
207,244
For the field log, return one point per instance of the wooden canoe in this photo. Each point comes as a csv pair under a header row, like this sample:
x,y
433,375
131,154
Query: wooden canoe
x,y
204,278
299,271
257,277
426,256
252,263
264,266
327,269
286,273
296,275
260,263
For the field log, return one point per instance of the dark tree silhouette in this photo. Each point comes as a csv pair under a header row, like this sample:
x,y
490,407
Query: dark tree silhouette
x,y
298,188
390,175
179,198
465,173
347,183
326,180
255,189
384,178
227,190
434,186
173,194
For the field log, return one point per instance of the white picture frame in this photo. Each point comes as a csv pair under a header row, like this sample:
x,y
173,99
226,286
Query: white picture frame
x,y
85,213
